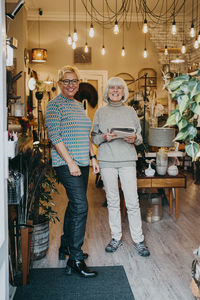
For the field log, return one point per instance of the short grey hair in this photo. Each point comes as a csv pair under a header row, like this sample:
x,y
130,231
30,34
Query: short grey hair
x,y
68,69
116,81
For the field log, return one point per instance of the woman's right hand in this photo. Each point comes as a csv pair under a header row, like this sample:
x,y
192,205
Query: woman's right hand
x,y
109,136
74,169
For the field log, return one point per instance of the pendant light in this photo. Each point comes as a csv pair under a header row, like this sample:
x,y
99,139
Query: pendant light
x,y
196,43
123,49
192,31
145,26
69,39
166,49
183,48
198,38
116,27
145,48
91,31
103,50
75,35
39,54
86,44
174,22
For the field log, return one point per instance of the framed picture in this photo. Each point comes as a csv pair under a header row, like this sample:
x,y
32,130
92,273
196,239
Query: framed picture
x,y
82,57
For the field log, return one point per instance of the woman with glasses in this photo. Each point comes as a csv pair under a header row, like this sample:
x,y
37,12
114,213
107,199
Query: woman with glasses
x,y
68,128
117,158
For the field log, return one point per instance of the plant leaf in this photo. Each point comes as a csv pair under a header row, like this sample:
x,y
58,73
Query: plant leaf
x,y
197,109
192,148
171,120
197,98
182,124
195,90
175,84
184,103
183,77
182,135
192,131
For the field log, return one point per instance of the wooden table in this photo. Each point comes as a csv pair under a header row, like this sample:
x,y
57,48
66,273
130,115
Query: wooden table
x,y
170,182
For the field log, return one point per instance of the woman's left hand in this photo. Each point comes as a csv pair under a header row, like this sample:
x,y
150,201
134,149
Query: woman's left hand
x,y
131,139
95,166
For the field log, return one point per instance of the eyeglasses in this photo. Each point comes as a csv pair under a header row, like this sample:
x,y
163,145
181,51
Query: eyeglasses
x,y
113,87
68,81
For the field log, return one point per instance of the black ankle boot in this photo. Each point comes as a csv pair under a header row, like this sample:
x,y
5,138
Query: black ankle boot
x,y
79,267
65,251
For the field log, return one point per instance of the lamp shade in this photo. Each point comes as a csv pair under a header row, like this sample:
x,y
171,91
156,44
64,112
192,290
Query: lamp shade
x,y
161,137
39,55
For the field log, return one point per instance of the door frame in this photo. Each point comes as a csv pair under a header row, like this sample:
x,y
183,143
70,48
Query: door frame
x,y
4,268
101,76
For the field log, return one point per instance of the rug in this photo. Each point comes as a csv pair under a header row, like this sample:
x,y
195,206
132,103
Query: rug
x,y
52,283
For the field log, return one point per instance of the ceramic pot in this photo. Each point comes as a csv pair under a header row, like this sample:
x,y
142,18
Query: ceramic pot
x,y
172,171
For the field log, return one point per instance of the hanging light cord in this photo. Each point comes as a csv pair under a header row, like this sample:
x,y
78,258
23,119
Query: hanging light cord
x,y
69,16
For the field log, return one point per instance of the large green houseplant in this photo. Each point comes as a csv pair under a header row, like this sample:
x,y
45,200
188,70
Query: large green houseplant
x,y
185,90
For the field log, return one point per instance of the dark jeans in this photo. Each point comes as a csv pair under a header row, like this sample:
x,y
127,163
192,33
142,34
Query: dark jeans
x,y
76,212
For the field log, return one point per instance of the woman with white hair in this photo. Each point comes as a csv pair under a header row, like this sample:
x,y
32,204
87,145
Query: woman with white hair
x,y
117,158
68,129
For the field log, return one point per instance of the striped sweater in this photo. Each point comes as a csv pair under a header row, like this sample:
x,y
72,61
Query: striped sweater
x,y
67,122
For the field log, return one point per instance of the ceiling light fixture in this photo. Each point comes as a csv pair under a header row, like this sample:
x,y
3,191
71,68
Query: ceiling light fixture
x,y
75,35
39,54
196,44
192,31
116,27
145,48
174,22
166,50
103,50
86,44
145,27
177,60
69,39
123,49
183,49
91,31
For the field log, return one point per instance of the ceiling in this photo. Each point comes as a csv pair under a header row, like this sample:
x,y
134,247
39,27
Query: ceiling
x,y
59,10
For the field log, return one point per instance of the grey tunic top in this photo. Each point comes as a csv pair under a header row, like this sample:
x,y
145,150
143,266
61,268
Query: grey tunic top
x,y
116,153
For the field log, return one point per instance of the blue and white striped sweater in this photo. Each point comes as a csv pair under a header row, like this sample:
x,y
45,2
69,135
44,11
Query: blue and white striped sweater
x,y
67,122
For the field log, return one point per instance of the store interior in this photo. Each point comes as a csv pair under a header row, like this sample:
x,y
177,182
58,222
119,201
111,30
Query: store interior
x,y
150,44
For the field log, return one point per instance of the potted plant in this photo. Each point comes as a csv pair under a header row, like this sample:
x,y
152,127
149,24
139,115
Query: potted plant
x,y
185,90
40,184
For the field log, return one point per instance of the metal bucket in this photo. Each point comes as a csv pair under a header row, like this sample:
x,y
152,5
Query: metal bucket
x,y
154,212
40,240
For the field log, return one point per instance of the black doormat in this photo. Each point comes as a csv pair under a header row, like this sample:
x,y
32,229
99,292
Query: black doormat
x,y
52,283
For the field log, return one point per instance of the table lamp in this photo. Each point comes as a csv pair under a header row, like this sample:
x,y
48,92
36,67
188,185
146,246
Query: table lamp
x,y
162,138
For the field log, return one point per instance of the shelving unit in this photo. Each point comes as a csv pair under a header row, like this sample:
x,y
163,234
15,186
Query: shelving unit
x,y
151,78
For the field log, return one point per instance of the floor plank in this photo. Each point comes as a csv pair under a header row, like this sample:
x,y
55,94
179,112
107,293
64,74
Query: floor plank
x,y
166,274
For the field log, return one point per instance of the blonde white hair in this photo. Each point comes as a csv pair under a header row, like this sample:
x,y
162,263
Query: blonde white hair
x,y
116,81
68,69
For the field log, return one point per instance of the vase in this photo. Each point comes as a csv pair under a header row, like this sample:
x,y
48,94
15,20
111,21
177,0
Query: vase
x,y
161,162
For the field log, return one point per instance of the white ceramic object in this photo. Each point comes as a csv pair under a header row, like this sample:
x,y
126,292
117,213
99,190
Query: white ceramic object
x,y
172,170
149,171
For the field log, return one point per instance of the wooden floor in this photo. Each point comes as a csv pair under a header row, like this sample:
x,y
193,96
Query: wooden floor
x,y
166,274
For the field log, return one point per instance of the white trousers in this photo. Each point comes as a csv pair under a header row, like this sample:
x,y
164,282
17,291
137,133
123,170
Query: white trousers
x,y
128,181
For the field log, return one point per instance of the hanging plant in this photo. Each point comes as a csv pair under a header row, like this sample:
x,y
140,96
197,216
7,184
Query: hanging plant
x,y
185,90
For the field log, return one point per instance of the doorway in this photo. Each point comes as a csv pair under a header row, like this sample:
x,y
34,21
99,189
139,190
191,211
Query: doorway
x,y
98,79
